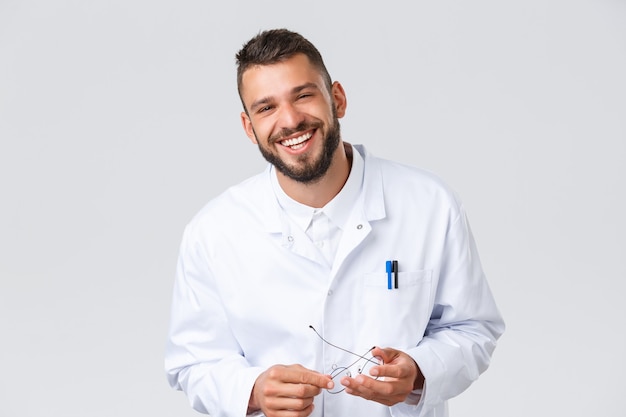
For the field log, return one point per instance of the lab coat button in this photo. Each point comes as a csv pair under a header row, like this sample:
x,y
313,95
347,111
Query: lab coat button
x,y
359,226
290,238
330,292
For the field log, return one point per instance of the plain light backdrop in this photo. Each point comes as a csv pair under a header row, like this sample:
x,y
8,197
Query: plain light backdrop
x,y
119,119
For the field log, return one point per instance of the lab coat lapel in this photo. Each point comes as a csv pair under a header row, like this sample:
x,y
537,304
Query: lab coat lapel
x,y
277,223
369,207
355,232
300,244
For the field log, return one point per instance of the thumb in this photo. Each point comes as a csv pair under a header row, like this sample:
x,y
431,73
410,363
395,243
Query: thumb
x,y
386,355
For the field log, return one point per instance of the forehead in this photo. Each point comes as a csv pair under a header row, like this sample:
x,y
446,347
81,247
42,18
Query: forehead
x,y
281,77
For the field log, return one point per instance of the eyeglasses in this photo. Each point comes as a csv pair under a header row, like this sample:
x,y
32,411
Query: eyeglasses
x,y
362,364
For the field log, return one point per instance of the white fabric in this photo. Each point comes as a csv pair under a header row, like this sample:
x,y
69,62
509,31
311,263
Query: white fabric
x,y
324,226
249,285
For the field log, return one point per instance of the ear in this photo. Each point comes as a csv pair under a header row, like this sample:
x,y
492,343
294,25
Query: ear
x,y
339,99
247,127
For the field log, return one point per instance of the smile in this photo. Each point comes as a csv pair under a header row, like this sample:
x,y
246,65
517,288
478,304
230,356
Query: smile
x,y
297,143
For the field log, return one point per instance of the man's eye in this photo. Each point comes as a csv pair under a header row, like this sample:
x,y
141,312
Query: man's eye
x,y
264,109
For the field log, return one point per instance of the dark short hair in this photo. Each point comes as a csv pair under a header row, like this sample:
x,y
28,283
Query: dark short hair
x,y
277,45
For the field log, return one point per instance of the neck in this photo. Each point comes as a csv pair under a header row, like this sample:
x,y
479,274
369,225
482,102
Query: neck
x,y
318,193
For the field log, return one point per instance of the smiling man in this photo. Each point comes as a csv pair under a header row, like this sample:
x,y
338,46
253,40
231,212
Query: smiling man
x,y
286,281
291,113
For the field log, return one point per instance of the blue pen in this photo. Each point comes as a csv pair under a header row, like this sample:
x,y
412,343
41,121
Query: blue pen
x,y
389,269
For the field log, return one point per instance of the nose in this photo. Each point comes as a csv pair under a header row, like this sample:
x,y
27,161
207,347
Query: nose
x,y
290,116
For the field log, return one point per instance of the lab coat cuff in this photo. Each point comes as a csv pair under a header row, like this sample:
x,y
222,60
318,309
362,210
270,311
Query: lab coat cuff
x,y
411,407
248,380
417,401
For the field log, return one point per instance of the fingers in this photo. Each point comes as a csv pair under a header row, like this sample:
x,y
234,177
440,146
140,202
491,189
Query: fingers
x,y
393,381
384,392
287,390
294,380
297,374
276,406
395,364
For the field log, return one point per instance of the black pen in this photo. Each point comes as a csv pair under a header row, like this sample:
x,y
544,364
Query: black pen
x,y
395,274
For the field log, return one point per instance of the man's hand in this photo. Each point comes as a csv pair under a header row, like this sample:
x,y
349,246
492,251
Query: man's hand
x,y
287,391
397,377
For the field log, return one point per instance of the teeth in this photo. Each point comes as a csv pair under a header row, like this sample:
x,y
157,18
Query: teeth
x,y
296,141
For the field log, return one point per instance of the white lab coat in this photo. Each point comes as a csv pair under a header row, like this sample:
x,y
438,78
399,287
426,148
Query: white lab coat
x,y
248,286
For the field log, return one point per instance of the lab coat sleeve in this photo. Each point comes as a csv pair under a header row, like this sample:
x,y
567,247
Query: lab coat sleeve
x,y
463,329
202,358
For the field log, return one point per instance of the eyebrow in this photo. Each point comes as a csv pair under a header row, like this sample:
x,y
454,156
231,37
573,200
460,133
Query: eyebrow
x,y
265,100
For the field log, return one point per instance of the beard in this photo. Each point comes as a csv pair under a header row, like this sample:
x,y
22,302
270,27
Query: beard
x,y
309,168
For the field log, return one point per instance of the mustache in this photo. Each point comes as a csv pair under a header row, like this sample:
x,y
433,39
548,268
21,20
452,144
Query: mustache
x,y
286,132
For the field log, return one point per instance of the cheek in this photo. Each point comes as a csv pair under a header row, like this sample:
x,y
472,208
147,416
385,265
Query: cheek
x,y
263,128
257,132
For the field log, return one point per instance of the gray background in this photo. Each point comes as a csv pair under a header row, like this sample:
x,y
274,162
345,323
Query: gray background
x,y
120,119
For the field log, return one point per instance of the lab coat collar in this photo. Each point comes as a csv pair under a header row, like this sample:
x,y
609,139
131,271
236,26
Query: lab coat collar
x,y
371,200
373,196
337,210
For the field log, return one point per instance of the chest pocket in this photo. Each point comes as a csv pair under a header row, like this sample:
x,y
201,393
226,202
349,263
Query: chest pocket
x,y
397,317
